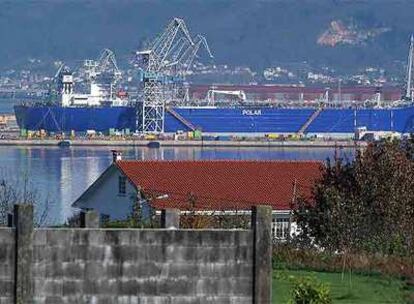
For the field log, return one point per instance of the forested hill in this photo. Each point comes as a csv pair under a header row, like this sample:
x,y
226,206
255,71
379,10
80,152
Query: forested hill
x,y
244,32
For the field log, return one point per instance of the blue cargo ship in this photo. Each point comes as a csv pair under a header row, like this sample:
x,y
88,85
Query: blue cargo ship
x,y
220,120
101,110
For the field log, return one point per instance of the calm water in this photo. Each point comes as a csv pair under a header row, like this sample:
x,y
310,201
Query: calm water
x,y
6,105
62,174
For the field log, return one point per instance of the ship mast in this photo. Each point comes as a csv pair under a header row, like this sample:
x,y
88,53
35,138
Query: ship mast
x,y
408,94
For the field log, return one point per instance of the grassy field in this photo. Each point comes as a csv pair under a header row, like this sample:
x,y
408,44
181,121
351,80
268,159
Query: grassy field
x,y
353,289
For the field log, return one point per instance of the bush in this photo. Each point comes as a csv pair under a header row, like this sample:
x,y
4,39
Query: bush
x,y
363,205
308,290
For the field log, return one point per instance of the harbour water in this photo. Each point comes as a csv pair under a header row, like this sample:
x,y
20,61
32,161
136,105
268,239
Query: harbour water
x,y
60,175
6,105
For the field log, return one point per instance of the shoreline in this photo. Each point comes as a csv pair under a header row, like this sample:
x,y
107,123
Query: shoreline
x,y
186,143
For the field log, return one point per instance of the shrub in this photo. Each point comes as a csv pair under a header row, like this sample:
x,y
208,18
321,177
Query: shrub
x,y
308,290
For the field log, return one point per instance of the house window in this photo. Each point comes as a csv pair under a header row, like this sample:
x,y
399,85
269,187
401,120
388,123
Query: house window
x,y
122,185
280,228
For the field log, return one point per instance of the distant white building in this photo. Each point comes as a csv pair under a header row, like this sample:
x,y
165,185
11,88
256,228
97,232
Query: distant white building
x,y
206,186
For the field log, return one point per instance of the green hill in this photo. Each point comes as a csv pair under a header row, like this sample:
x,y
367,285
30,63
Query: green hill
x,y
257,33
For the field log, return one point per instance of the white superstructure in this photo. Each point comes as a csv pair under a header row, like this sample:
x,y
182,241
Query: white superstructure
x,y
102,76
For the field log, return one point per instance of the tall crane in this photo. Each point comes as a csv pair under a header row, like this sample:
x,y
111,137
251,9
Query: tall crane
x,y
105,64
162,64
186,54
184,58
199,41
103,74
409,93
62,83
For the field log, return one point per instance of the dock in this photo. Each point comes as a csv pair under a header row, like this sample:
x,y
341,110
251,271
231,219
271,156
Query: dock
x,y
186,143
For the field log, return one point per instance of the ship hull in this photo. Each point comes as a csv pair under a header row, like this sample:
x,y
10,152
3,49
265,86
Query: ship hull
x,y
63,119
240,120
284,121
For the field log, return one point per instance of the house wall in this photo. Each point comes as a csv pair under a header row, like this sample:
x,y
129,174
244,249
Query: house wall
x,y
105,199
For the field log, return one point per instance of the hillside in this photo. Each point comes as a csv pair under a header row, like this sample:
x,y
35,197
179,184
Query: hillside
x,y
244,32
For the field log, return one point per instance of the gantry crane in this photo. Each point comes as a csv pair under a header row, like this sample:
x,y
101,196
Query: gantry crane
x,y
182,63
105,64
409,88
58,86
103,74
163,63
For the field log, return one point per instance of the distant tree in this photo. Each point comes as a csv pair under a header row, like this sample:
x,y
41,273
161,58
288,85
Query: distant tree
x,y
364,205
17,188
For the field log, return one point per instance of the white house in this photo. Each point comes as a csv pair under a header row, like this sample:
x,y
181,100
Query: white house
x,y
211,185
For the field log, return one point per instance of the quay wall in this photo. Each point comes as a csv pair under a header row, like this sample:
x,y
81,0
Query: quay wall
x,y
151,266
185,143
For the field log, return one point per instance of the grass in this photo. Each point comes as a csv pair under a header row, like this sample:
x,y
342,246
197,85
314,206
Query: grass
x,y
355,289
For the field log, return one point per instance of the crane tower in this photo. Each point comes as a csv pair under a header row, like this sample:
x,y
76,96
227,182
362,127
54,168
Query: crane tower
x,y
409,93
163,63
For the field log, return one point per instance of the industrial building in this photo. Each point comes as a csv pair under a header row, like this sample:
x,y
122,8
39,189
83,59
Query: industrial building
x,y
303,94
204,186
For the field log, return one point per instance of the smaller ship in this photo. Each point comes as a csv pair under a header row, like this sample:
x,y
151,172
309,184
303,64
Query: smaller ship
x,y
101,109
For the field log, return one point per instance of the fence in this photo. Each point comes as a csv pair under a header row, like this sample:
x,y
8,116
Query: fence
x,y
168,265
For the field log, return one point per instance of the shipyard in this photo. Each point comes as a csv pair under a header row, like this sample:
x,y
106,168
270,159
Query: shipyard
x,y
167,108
200,152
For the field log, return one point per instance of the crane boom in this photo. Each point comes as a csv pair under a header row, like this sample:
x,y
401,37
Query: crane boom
x,y
188,60
161,48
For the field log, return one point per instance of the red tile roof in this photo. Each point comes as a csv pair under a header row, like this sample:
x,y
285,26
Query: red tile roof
x,y
222,185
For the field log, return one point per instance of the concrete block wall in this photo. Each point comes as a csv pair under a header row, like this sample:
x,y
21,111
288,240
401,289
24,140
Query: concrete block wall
x,y
142,266
7,263
154,266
